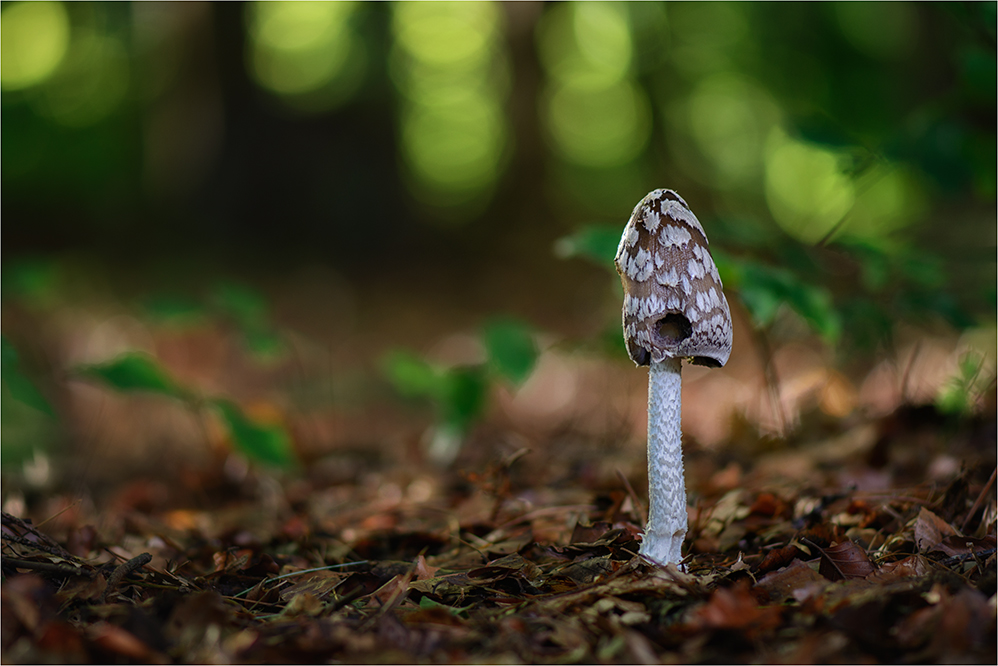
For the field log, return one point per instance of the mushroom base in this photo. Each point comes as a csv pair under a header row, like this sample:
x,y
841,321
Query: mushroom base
x,y
667,516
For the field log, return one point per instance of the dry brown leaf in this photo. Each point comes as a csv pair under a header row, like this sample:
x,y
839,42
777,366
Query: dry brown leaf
x,y
735,609
845,560
304,603
423,570
915,565
117,641
930,529
790,581
961,545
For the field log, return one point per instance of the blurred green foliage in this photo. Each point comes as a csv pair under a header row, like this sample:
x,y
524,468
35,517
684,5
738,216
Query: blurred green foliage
x,y
265,443
460,393
841,156
511,349
134,372
17,383
962,393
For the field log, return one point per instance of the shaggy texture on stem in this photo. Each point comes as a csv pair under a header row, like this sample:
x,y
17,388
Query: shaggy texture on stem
x,y
667,517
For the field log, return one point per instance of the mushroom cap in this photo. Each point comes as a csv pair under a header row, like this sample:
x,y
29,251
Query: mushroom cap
x,y
674,304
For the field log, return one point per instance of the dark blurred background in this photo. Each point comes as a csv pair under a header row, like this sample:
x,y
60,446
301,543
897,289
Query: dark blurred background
x,y
383,174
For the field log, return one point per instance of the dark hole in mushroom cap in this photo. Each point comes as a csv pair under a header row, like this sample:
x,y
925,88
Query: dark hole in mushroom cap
x,y
673,328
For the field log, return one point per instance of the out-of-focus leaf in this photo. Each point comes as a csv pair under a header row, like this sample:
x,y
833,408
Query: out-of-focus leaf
x,y
845,560
134,371
173,309
961,545
787,581
411,375
922,269
463,397
240,302
597,243
763,289
930,529
33,280
265,443
249,311
511,349
264,342
21,388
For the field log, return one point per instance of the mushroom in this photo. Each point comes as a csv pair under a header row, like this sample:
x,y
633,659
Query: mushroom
x,y
674,308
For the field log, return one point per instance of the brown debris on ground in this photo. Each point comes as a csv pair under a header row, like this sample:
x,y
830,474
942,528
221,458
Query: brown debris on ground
x,y
471,575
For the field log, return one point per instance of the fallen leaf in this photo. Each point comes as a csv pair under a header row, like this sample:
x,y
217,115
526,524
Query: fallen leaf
x,y
423,570
844,561
305,603
930,529
736,609
960,545
790,581
915,565
117,641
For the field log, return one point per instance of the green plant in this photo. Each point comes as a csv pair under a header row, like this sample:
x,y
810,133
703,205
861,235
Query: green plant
x,y
459,394
264,443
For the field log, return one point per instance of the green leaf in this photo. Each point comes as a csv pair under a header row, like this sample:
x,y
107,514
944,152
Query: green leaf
x,y
265,443
763,289
511,349
426,603
241,303
21,388
173,309
596,243
33,279
249,311
134,371
463,397
412,376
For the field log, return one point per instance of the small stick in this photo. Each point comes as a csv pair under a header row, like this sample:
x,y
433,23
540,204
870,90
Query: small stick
x,y
980,500
49,545
638,504
47,566
58,513
123,570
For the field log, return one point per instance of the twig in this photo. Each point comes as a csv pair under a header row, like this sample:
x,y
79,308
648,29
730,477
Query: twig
x,y
979,501
638,505
303,571
963,557
907,371
47,544
58,513
123,570
540,513
49,567
772,383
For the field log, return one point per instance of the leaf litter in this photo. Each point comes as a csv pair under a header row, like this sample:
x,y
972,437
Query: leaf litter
x,y
772,577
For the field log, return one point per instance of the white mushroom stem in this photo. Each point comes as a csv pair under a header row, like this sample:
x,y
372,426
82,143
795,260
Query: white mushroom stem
x,y
667,518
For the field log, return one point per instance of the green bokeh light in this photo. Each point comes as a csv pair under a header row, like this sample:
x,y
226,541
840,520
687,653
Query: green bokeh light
x,y
596,114
599,127
456,145
34,37
730,119
447,35
447,65
888,198
807,192
882,30
298,48
586,44
91,83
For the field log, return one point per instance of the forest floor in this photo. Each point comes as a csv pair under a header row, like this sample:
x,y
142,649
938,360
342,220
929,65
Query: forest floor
x,y
853,540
